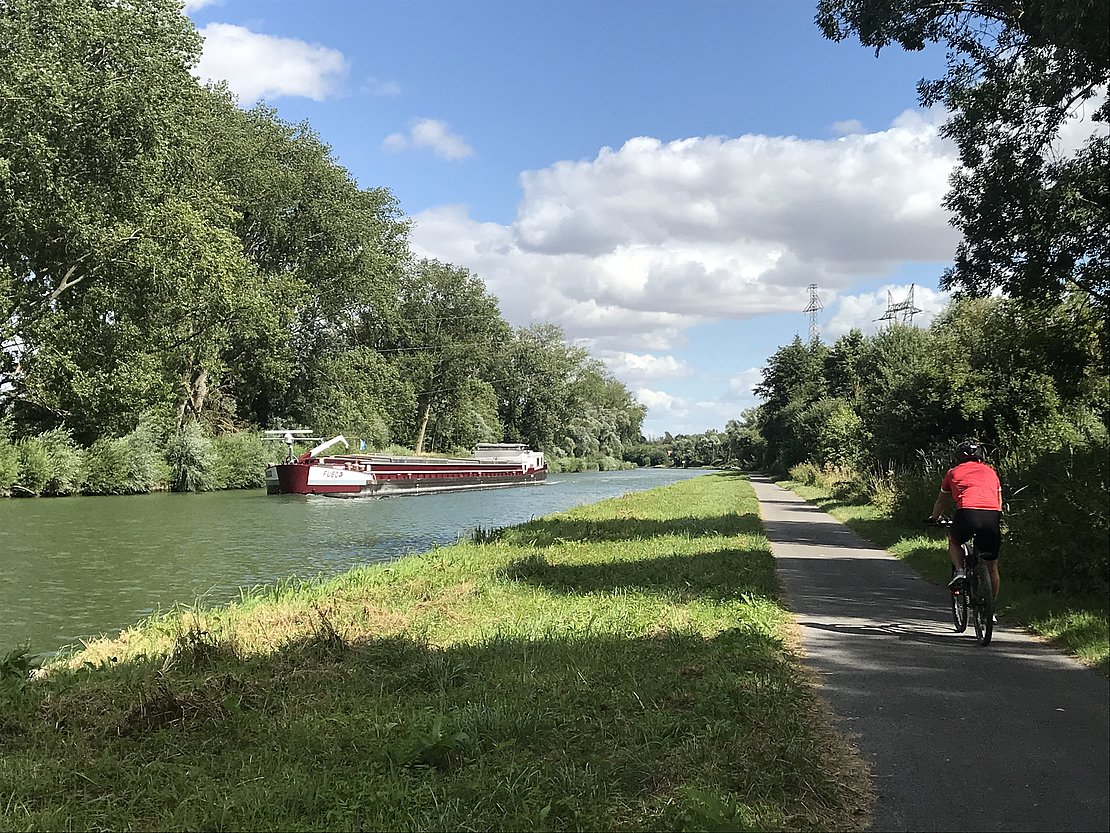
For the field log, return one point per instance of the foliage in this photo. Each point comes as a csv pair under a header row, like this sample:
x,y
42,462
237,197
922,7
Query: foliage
x,y
1033,211
240,461
169,256
1030,383
9,465
192,460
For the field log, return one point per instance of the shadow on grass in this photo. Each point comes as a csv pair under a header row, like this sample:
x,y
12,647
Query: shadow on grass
x,y
720,575
560,530
515,733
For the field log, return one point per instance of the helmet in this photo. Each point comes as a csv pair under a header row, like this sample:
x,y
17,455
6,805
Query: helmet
x,y
970,450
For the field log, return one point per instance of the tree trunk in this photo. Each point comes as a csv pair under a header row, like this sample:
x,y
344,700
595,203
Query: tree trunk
x,y
423,427
196,392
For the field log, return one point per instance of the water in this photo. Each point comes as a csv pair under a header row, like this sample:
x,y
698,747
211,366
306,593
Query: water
x,y
74,568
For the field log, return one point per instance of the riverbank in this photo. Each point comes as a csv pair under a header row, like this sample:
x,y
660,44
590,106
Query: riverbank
x,y
626,665
1078,624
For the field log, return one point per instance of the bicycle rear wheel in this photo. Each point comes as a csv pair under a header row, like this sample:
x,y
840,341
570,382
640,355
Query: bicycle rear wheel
x,y
983,604
959,608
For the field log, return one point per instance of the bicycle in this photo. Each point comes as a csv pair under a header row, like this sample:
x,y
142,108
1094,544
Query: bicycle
x,y
975,595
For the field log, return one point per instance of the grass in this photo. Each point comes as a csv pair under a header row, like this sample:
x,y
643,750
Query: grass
x,y
624,666
1078,624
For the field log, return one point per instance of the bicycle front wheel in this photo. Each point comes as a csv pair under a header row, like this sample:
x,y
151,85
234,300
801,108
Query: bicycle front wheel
x,y
983,604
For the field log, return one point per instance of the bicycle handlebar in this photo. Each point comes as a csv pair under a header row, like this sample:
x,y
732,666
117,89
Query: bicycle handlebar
x,y
941,521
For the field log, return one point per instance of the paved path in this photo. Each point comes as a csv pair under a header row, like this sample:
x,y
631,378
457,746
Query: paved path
x,y
924,704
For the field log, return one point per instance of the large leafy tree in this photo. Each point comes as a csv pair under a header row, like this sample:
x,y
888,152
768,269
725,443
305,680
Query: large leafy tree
x,y
117,272
443,340
330,256
1034,212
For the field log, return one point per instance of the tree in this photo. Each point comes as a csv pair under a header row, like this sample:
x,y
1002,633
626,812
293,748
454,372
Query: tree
x,y
444,338
96,109
1034,217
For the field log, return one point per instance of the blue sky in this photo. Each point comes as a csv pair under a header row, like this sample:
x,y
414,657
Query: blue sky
x,y
660,179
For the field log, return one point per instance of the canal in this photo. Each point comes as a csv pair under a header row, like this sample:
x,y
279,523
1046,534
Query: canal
x,y
74,568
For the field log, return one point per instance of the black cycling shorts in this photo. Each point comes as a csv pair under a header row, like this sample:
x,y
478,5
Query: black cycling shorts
x,y
983,525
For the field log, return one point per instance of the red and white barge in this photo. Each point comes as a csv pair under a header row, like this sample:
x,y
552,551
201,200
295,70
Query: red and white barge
x,y
493,466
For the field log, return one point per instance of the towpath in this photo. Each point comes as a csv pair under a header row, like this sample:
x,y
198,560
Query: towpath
x,y
1015,736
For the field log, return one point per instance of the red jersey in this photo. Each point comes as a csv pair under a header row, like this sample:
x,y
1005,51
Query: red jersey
x,y
973,485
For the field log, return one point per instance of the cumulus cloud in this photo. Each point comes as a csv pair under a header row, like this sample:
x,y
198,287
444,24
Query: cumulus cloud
x,y
196,5
847,127
740,386
865,311
256,65
640,367
634,246
433,134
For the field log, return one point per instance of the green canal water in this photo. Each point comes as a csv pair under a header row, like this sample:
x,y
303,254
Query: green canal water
x,y
74,568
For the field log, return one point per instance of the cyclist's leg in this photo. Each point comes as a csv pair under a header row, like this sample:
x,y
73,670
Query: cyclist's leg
x,y
955,552
992,568
988,537
958,535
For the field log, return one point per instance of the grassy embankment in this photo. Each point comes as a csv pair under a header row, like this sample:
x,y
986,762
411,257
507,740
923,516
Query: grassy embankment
x,y
624,666
1079,624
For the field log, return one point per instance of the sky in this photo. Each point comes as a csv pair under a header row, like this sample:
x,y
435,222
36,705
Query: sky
x,y
662,179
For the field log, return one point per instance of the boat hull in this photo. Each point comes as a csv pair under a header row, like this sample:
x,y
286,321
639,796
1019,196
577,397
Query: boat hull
x,y
342,481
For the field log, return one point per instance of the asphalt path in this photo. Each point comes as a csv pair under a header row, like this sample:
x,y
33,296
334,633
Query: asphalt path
x,y
1014,736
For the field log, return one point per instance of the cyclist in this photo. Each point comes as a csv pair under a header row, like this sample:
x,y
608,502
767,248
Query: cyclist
x,y
974,487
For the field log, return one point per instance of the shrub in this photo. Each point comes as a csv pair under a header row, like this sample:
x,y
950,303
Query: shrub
x,y
1057,528
50,464
805,473
108,467
9,465
192,460
147,469
240,461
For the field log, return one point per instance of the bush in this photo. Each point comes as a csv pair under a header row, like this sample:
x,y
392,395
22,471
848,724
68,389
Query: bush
x,y
109,465
34,467
240,461
9,465
1057,528
805,473
50,464
147,469
192,460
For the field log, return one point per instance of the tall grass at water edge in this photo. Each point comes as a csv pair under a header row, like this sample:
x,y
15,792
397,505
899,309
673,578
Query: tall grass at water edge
x,y
624,666
146,460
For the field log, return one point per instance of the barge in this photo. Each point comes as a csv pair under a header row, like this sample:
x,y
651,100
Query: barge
x,y
493,466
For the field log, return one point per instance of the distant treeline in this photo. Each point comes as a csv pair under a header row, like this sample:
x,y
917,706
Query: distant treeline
x,y
169,260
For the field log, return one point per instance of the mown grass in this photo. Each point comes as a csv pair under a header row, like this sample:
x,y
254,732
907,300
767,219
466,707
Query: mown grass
x,y
624,666
1077,623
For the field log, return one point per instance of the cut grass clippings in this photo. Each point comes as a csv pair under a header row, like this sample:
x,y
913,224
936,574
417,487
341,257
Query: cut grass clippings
x,y
623,666
1078,624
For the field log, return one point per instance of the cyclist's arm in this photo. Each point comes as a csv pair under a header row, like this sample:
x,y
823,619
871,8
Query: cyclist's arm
x,y
938,507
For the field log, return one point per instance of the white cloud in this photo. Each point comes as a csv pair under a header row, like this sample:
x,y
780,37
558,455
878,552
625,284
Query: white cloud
x,y
196,5
256,65
632,247
640,367
865,311
847,127
742,383
433,134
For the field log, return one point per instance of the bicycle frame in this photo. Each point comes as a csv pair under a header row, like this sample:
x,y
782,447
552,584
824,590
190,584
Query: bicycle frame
x,y
980,593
